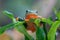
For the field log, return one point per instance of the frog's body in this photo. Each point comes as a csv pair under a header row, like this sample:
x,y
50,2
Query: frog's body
x,y
30,15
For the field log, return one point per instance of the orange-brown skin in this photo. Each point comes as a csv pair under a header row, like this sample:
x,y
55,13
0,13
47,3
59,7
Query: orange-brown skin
x,y
31,25
29,16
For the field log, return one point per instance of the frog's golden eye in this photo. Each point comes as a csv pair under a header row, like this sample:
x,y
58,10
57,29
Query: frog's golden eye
x,y
19,19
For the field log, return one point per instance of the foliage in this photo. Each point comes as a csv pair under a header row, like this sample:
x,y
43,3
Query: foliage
x,y
41,33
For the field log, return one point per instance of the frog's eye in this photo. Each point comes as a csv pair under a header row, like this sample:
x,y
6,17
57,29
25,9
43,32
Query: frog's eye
x,y
19,19
36,11
26,11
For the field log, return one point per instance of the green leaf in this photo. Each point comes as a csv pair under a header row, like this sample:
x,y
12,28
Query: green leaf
x,y
39,31
40,34
47,21
31,20
22,29
10,15
4,28
37,21
57,13
45,30
52,31
26,38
